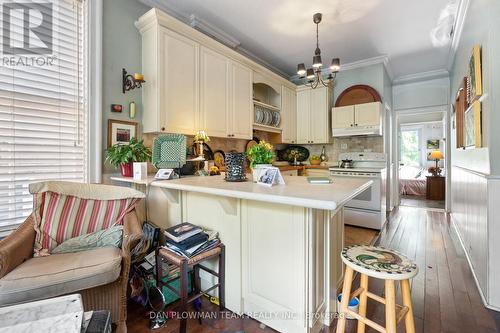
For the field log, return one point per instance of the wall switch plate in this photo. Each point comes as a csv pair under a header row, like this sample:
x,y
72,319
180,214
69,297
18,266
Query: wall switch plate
x,y
343,146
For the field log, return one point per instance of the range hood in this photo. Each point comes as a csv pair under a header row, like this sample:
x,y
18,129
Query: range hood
x,y
373,130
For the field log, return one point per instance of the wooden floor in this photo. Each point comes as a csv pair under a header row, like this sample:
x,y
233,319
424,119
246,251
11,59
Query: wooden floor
x,y
420,201
445,297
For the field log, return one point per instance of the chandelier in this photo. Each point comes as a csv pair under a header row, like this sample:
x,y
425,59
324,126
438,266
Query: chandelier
x,y
313,75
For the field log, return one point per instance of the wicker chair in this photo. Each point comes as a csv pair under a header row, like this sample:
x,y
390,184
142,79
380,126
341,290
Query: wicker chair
x,y
18,248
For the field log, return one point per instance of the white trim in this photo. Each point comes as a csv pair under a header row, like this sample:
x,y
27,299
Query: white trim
x,y
213,31
94,150
423,76
457,31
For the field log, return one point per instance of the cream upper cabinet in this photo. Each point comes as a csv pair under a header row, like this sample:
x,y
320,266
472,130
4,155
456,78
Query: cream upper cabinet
x,y
214,92
312,115
359,115
343,117
288,115
367,114
303,116
170,63
241,104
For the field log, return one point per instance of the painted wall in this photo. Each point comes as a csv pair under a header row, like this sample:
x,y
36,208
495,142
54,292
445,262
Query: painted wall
x,y
121,49
421,94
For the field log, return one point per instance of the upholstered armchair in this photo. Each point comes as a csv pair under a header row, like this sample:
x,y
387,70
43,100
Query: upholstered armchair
x,y
63,210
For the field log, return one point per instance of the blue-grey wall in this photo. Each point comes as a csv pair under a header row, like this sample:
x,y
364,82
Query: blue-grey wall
x,y
372,75
121,49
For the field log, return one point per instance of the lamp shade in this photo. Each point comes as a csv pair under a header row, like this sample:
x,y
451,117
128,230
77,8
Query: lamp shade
x,y
310,74
335,66
301,69
317,63
436,155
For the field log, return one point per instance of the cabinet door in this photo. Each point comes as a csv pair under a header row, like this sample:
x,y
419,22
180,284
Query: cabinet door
x,y
367,114
303,116
241,115
319,116
288,115
343,117
179,92
214,93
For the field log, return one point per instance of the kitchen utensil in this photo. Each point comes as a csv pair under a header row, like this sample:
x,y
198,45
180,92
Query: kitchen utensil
x,y
347,164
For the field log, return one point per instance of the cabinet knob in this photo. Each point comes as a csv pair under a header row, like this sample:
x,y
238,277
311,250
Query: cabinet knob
x,y
352,125
163,128
355,124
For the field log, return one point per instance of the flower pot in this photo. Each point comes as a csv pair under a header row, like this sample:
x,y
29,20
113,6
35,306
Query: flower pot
x,y
257,169
127,169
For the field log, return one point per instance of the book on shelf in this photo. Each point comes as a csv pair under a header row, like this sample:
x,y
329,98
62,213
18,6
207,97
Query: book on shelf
x,y
182,231
189,242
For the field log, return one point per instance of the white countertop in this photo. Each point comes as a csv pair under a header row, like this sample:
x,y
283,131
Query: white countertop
x,y
296,192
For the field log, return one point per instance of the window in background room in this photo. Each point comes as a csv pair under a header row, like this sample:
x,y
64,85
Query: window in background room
x,y
410,147
43,108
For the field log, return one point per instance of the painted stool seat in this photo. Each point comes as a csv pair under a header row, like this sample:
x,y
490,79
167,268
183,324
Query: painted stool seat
x,y
379,262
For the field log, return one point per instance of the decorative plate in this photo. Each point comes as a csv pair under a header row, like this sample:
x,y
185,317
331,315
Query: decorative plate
x,y
207,152
169,151
289,152
219,158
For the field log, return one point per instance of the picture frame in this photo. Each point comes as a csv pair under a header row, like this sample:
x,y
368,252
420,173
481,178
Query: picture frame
x,y
433,144
121,131
269,176
475,84
472,123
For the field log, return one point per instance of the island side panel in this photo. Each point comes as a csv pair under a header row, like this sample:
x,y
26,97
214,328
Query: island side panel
x,y
274,264
223,215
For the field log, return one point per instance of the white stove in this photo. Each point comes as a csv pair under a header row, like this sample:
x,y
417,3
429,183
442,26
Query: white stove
x,y
368,208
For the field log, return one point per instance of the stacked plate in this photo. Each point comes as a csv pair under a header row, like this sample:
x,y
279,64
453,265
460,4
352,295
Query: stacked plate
x,y
267,117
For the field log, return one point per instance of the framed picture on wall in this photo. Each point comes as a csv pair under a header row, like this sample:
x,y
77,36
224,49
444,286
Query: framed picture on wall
x,y
121,131
475,75
472,131
433,144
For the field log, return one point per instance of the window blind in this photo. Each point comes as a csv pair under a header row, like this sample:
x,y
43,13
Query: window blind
x,y
43,107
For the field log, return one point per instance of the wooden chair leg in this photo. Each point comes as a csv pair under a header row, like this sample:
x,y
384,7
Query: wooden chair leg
x,y
406,293
184,295
346,291
390,307
363,299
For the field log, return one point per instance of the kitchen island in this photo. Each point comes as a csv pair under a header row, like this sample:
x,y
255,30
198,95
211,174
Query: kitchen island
x,y
283,242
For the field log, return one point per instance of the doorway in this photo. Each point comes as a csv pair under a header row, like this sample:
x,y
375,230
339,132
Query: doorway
x,y
421,158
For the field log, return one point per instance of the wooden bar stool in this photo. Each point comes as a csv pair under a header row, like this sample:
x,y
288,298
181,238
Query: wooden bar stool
x,y
184,264
380,263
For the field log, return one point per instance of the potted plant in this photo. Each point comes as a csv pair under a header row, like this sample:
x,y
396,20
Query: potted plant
x,y
260,156
123,155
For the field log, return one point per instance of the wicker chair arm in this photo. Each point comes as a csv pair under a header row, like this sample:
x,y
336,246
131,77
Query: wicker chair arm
x,y
17,247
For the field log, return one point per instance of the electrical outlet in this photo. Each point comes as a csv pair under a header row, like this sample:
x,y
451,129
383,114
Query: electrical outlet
x,y
343,146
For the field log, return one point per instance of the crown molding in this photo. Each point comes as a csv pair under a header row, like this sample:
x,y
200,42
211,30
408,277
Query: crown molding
x,y
423,76
213,32
457,31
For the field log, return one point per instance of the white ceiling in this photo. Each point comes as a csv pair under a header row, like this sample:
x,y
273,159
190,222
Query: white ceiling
x,y
413,34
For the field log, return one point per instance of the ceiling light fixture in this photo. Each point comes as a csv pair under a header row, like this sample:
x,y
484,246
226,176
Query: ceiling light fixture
x,y
313,75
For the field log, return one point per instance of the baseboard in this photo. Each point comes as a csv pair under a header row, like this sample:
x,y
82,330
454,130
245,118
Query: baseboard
x,y
478,286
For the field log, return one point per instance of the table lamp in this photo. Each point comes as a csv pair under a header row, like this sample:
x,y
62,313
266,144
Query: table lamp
x,y
436,155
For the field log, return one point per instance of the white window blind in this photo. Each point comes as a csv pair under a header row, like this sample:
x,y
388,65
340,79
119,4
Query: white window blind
x,y
43,109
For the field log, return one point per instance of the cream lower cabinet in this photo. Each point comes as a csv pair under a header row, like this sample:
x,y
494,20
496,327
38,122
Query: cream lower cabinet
x,y
170,64
288,115
313,109
282,262
225,96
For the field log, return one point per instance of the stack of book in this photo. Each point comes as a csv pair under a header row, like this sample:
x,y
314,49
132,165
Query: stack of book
x,y
189,240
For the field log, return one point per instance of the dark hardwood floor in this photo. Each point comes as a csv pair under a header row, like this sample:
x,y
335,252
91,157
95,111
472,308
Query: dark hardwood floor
x,y
445,297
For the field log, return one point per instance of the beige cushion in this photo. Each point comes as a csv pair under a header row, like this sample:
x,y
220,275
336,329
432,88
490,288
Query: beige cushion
x,y
60,274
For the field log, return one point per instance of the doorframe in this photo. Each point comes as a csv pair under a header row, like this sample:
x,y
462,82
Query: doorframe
x,y
445,111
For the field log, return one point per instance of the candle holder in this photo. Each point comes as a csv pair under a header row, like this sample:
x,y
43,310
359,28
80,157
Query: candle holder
x,y
130,82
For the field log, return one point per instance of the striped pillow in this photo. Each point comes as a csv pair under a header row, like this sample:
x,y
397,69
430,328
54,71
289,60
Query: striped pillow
x,y
64,217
